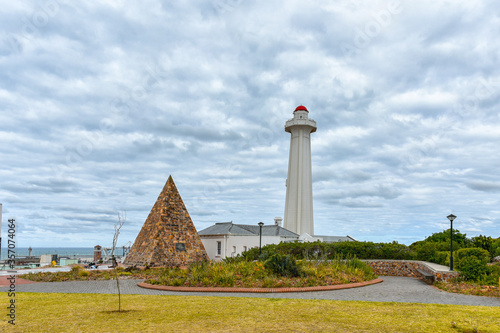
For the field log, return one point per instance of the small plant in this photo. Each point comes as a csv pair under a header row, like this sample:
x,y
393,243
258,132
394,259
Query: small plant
x,y
83,273
76,269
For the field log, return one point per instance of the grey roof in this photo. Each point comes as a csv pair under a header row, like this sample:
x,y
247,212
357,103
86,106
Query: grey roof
x,y
335,239
229,228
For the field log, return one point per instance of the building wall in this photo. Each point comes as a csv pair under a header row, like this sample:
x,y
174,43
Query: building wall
x,y
46,260
231,246
65,261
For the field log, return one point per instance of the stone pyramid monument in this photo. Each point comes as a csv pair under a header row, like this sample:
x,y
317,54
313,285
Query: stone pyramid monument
x,y
168,237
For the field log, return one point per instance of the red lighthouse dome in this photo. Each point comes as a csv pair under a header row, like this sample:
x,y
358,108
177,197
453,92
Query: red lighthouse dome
x,y
301,108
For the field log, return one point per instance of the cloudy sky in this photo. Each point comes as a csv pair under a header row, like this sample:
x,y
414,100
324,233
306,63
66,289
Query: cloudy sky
x,y
101,102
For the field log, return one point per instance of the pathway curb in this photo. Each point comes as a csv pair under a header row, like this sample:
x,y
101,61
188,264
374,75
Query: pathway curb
x,y
259,290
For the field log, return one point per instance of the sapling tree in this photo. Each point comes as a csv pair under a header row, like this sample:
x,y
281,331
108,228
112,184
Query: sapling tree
x,y
122,217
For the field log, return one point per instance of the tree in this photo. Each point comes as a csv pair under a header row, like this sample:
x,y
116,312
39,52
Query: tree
x,y
434,247
122,217
483,242
459,239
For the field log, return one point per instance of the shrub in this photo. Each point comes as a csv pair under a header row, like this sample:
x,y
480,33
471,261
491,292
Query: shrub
x,y
83,273
251,254
495,248
480,254
319,250
472,263
283,265
76,269
441,257
472,269
491,277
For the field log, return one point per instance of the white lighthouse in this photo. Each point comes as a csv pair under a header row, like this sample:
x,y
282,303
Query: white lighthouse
x,y
299,199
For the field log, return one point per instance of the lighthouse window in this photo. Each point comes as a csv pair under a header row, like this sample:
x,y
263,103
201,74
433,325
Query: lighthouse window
x,y
300,117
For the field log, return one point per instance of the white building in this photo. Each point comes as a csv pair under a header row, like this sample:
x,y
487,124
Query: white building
x,y
227,239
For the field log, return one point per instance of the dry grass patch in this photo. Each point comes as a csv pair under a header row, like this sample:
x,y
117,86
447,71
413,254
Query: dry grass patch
x,y
468,288
40,312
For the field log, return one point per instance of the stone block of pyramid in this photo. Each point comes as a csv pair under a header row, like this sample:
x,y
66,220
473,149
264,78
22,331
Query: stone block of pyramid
x,y
168,236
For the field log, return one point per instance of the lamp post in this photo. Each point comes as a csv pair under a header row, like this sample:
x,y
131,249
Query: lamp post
x,y
260,237
451,217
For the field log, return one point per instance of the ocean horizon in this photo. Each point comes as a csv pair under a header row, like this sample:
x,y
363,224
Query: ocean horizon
x,y
61,251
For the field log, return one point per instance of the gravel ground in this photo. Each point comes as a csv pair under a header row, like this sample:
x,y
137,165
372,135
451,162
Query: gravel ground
x,y
393,289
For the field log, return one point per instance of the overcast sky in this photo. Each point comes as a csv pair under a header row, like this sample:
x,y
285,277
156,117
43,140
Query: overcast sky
x,y
100,103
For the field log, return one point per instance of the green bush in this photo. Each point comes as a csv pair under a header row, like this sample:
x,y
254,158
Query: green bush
x,y
480,254
491,277
434,248
495,248
441,257
472,269
319,250
283,265
472,263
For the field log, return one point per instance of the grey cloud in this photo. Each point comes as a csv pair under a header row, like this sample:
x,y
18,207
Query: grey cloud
x,y
483,186
355,203
377,191
42,186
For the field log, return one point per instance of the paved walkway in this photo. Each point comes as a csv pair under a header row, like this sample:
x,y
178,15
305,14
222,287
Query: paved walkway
x,y
393,289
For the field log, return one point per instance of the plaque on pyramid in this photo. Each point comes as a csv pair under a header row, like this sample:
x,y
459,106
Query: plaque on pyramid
x,y
168,236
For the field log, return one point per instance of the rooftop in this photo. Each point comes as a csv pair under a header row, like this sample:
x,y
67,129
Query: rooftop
x,y
229,228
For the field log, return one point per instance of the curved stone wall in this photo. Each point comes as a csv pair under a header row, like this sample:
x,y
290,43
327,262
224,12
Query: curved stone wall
x,y
410,268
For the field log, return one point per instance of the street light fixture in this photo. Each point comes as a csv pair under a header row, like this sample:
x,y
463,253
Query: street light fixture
x,y
260,237
451,217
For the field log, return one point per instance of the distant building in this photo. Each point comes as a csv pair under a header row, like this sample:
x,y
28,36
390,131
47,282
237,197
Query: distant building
x,y
48,259
67,261
336,239
226,239
97,253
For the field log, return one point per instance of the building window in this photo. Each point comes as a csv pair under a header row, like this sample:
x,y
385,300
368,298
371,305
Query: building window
x,y
219,248
244,248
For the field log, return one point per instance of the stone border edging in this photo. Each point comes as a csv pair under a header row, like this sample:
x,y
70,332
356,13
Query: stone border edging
x,y
259,290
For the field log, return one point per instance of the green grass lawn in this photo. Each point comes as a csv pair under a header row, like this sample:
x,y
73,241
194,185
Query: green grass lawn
x,y
41,312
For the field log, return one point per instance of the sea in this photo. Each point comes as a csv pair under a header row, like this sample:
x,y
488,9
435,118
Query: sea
x,y
71,252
